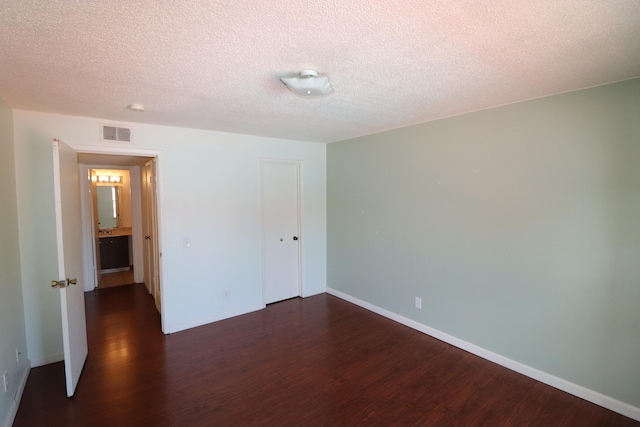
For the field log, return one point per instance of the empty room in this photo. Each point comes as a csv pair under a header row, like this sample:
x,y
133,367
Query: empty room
x,y
320,213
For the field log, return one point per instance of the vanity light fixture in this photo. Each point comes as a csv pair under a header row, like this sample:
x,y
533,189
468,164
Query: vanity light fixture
x,y
109,178
308,84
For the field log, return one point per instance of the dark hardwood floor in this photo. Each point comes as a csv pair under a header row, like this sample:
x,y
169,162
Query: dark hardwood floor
x,y
317,361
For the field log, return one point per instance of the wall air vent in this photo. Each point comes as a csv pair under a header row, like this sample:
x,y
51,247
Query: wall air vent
x,y
115,133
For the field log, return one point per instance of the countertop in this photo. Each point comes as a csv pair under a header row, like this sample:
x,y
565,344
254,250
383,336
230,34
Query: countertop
x,y
114,232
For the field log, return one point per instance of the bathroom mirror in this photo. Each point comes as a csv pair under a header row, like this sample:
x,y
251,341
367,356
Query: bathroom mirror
x,y
109,200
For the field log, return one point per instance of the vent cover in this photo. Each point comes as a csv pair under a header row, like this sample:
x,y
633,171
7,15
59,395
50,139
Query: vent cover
x,y
115,133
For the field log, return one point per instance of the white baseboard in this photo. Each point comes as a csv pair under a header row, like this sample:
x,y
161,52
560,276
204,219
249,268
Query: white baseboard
x,y
23,381
13,410
559,383
46,360
11,415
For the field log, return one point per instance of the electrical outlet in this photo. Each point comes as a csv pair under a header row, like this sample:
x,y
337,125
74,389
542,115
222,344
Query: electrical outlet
x,y
419,303
5,381
226,293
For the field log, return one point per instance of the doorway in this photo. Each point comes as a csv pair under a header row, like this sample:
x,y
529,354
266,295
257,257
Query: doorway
x,y
118,239
281,225
113,214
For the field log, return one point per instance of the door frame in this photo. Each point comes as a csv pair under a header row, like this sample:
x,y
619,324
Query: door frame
x,y
300,218
90,269
127,151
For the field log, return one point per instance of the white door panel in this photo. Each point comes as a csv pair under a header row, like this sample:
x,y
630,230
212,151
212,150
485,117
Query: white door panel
x,y
69,242
150,226
280,230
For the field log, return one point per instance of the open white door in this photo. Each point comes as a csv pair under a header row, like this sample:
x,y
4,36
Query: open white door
x,y
150,228
69,238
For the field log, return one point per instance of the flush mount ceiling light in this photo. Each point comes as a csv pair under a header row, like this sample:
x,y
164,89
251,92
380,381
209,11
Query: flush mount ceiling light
x,y
136,107
309,84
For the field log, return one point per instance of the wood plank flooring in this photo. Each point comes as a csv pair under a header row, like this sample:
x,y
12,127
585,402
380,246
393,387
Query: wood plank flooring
x,y
318,361
109,280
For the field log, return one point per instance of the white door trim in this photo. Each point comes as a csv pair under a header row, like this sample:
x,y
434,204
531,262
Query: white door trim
x,y
136,222
89,255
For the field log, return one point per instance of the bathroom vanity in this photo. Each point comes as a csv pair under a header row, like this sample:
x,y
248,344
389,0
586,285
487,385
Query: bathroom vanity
x,y
114,249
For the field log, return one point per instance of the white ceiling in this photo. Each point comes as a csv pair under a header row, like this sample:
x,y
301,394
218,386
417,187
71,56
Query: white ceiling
x,y
214,64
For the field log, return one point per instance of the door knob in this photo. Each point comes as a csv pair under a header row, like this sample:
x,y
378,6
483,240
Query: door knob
x,y
295,237
63,283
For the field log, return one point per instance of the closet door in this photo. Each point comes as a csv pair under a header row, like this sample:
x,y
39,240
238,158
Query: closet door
x,y
280,230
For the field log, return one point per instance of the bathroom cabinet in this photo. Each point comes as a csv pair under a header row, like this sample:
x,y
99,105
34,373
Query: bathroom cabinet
x,y
114,252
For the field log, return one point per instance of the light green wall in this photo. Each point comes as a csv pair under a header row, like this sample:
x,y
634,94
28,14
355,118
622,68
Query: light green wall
x,y
12,327
519,227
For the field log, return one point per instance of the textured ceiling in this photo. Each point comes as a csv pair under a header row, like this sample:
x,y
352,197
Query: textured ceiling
x,y
216,64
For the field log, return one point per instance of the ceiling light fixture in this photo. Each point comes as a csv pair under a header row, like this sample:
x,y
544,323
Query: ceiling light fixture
x,y
137,108
309,85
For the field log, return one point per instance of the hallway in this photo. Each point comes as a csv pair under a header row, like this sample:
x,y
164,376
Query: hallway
x,y
109,280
